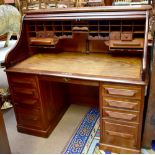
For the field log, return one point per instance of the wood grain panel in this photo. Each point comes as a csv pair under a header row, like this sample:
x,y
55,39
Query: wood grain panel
x,y
28,117
84,64
22,80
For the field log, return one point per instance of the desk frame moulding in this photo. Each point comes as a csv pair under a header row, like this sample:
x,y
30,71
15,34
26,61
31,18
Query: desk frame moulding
x,y
30,79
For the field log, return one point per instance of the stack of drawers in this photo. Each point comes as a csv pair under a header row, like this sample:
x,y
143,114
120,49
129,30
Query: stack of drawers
x,y
121,110
27,103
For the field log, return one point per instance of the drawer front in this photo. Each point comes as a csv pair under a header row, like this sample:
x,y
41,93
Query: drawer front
x,y
27,102
119,134
28,117
121,91
69,80
129,116
24,93
121,103
20,80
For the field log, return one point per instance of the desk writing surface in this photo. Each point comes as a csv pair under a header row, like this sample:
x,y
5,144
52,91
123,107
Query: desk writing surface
x,y
103,65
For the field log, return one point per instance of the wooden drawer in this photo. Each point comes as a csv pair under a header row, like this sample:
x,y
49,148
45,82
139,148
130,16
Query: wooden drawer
x,y
34,103
69,80
24,93
128,104
118,134
124,115
121,91
22,80
28,117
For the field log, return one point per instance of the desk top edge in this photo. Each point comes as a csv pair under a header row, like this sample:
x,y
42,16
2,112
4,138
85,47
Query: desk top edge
x,y
91,9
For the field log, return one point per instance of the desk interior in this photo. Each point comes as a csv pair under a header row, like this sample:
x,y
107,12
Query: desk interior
x,y
94,64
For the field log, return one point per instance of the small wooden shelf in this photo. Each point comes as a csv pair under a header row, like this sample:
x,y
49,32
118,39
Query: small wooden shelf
x,y
142,32
43,41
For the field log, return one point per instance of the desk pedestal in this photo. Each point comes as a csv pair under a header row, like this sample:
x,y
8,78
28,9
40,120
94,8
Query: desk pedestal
x,y
40,102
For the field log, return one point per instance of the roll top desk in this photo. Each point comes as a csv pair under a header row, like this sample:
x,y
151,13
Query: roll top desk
x,y
93,56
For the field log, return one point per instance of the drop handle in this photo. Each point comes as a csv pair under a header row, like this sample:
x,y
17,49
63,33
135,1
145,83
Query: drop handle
x,y
66,79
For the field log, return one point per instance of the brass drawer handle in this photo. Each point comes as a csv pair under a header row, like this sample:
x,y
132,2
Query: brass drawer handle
x,y
122,135
118,115
121,104
66,79
124,92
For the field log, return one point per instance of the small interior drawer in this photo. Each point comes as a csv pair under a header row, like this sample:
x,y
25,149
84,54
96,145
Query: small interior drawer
x,y
128,104
124,115
118,134
121,91
135,43
28,117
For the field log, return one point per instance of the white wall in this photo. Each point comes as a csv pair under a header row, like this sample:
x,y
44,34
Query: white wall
x,y
3,53
3,79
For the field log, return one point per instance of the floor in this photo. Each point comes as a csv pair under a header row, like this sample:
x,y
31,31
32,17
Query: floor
x,y
55,143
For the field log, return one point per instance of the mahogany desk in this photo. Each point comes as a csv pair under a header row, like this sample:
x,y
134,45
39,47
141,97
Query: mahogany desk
x,y
93,56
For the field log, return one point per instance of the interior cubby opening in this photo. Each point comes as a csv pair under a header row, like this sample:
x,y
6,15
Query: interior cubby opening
x,y
49,28
93,28
138,35
39,28
115,22
127,28
127,22
58,28
104,28
67,28
115,28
